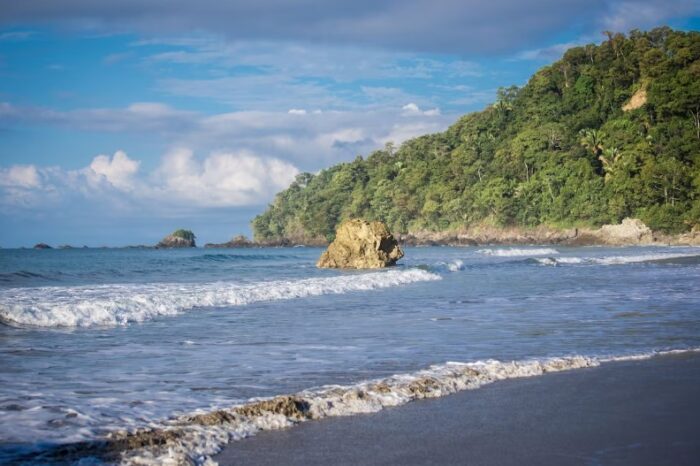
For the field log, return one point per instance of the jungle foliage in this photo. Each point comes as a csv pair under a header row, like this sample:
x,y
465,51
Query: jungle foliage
x,y
559,151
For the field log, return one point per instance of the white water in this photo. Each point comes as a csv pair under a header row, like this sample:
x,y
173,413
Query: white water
x,y
614,260
518,252
112,305
198,443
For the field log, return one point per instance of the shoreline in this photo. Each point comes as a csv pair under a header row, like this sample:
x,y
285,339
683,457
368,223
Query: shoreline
x,y
258,432
635,411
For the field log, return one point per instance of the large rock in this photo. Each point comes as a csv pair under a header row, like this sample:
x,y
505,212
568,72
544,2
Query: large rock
x,y
360,244
630,231
178,239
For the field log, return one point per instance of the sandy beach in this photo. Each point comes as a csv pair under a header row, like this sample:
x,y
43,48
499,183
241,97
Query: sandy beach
x,y
643,412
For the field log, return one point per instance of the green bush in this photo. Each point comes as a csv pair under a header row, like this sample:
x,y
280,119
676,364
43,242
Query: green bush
x,y
184,234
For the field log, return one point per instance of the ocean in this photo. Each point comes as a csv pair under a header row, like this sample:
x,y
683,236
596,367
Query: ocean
x,y
98,341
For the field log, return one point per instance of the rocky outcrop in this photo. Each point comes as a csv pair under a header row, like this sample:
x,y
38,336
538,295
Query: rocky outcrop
x,y
178,239
477,235
239,241
42,246
631,231
691,238
360,244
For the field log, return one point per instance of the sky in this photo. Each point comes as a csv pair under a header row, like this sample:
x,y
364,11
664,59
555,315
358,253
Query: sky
x,y
122,121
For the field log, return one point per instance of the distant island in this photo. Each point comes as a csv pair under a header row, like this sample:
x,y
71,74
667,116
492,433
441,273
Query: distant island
x,y
178,239
606,133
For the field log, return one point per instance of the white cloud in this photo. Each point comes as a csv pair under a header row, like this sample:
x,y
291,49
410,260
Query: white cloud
x,y
119,170
181,180
311,141
297,111
20,176
222,179
411,109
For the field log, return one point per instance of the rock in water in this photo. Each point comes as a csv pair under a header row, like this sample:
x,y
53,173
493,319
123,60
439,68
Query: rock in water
x,y
360,244
178,239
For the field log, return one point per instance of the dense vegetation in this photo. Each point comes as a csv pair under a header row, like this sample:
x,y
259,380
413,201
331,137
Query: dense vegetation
x,y
559,151
184,234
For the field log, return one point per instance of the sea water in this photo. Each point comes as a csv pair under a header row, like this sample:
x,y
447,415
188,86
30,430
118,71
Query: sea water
x,y
95,341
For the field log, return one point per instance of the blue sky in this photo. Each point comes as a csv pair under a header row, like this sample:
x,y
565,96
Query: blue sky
x,y
118,125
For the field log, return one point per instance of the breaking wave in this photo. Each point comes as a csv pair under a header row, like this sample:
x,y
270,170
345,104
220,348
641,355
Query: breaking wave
x,y
518,252
617,260
120,304
193,438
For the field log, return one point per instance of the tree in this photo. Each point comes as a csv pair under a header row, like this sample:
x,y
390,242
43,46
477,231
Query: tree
x,y
592,140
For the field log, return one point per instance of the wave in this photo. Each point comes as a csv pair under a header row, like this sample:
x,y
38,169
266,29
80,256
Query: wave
x,y
193,438
223,257
517,252
452,266
112,305
10,277
620,260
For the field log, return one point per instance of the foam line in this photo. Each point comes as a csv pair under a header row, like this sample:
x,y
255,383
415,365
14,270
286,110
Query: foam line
x,y
112,305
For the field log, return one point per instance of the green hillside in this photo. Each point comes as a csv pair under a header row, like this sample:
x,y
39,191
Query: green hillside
x,y
559,151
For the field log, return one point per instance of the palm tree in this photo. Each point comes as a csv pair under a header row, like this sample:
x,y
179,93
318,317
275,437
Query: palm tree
x,y
609,158
592,139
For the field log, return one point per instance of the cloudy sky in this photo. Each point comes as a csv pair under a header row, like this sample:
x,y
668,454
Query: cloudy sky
x,y
121,121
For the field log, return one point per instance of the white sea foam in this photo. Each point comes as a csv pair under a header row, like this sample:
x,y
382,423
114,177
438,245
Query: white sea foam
x,y
197,441
614,260
111,305
518,252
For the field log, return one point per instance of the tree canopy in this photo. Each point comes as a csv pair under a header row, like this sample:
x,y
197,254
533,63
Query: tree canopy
x,y
607,132
184,234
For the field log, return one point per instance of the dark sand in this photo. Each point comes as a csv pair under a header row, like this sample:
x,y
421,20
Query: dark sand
x,y
622,413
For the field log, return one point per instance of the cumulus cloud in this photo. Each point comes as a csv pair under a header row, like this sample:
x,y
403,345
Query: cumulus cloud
x,y
119,170
20,176
222,179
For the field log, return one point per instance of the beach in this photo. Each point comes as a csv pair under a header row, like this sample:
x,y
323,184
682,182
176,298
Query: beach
x,y
637,412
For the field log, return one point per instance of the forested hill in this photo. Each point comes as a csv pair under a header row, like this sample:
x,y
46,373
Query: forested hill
x,y
607,132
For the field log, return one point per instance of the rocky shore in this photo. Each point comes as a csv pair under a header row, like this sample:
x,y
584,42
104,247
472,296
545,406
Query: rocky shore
x,y
630,232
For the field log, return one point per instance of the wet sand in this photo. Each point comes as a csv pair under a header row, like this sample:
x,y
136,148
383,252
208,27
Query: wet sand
x,y
622,413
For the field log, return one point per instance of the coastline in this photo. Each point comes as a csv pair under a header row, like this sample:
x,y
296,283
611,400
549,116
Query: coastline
x,y
623,412
630,232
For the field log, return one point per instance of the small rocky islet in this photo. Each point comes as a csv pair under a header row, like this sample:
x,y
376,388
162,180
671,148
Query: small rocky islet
x,y
178,239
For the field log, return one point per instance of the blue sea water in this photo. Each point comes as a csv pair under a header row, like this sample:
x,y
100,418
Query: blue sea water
x,y
97,340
